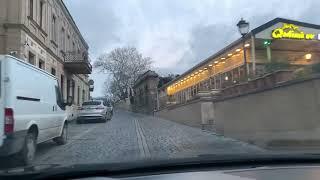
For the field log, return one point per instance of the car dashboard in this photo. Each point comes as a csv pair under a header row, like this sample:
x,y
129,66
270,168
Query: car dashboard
x,y
263,173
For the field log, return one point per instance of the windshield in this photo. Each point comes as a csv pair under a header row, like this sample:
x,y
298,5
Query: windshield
x,y
150,81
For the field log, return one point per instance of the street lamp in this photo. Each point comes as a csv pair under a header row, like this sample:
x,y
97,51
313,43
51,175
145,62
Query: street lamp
x,y
243,28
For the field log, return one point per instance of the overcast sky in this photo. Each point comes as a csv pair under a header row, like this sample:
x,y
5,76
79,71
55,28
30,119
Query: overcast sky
x,y
176,34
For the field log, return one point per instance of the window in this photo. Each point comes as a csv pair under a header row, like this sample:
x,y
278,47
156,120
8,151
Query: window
x,y
31,9
53,28
41,13
78,99
70,87
62,40
83,95
62,84
32,58
68,43
41,64
53,71
91,103
59,98
73,87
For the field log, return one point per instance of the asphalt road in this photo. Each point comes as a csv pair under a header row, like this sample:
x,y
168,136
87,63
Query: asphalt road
x,y
130,137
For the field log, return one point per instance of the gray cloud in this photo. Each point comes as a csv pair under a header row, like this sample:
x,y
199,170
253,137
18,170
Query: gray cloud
x,y
175,34
206,40
98,24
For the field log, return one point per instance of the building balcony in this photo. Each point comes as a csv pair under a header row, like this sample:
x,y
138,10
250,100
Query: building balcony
x,y
77,62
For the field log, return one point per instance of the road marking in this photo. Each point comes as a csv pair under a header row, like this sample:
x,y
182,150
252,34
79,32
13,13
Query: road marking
x,y
142,143
55,151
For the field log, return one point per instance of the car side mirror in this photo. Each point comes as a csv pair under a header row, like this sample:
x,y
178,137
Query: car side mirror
x,y
69,101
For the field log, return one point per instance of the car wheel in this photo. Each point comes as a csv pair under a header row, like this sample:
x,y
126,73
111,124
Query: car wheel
x,y
27,154
61,140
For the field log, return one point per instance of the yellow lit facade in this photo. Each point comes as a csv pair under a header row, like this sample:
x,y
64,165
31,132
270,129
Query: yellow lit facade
x,y
211,69
280,41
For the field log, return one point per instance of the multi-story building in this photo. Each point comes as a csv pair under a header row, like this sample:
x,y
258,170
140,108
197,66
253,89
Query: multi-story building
x,y
43,33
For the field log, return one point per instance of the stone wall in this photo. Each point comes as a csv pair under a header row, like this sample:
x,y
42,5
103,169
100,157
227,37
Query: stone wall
x,y
189,113
286,115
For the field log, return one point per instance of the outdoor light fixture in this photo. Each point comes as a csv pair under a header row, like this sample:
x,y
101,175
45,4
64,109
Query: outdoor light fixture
x,y
308,56
205,68
223,58
223,62
200,70
226,78
210,65
243,27
230,54
238,50
216,62
267,43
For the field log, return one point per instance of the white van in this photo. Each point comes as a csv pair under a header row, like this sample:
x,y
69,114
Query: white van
x,y
31,109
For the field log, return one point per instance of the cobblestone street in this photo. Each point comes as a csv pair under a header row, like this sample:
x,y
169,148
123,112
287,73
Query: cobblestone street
x,y
130,137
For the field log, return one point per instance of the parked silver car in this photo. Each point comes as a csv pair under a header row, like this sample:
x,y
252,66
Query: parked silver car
x,y
95,111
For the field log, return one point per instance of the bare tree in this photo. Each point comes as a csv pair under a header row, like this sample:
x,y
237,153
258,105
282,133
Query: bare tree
x,y
125,65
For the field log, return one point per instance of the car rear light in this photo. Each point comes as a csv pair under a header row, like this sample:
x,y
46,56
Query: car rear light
x,y
8,120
